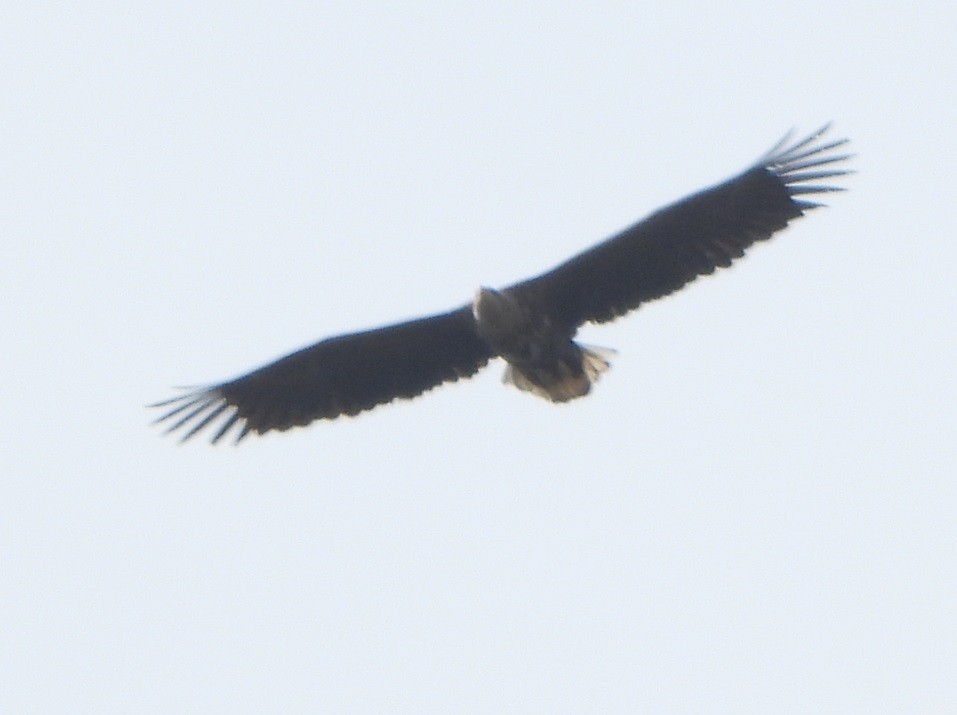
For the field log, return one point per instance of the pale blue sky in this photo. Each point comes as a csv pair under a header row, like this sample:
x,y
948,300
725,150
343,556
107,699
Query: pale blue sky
x,y
754,511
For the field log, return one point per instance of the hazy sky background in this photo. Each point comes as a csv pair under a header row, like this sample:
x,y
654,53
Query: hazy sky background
x,y
754,511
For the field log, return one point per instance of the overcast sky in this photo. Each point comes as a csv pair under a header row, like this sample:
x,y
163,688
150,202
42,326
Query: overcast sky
x,y
753,511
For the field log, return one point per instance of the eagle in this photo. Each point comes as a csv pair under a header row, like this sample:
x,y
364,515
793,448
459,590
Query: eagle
x,y
531,324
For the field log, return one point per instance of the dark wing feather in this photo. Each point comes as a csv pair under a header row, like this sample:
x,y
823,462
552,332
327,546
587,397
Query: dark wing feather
x,y
675,245
339,376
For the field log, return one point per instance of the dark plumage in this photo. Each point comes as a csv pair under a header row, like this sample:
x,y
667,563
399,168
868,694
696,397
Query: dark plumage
x,y
530,324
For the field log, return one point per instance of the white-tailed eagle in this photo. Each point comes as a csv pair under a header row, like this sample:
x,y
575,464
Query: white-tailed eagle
x,y
531,324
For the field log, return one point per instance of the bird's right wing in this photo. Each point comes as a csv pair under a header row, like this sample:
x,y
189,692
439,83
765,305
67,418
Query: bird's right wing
x,y
690,238
343,375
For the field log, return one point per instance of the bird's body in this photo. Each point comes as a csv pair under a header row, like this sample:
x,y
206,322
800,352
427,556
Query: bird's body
x,y
541,355
532,324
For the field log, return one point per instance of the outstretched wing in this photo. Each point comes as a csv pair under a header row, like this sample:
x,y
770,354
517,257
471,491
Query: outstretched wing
x,y
339,376
675,245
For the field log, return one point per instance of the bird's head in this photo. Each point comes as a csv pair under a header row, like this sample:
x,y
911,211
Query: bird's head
x,y
493,307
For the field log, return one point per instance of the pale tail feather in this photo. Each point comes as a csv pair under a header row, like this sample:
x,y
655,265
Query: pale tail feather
x,y
595,361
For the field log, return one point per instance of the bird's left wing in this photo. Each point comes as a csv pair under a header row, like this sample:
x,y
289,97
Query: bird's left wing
x,y
690,238
343,375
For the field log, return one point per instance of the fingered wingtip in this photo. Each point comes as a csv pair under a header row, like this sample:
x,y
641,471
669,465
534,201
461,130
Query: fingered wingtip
x,y
195,410
807,160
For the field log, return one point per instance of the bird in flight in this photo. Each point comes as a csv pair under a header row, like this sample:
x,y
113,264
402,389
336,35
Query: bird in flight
x,y
531,324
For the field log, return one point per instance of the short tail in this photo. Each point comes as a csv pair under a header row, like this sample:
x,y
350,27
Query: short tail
x,y
564,383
